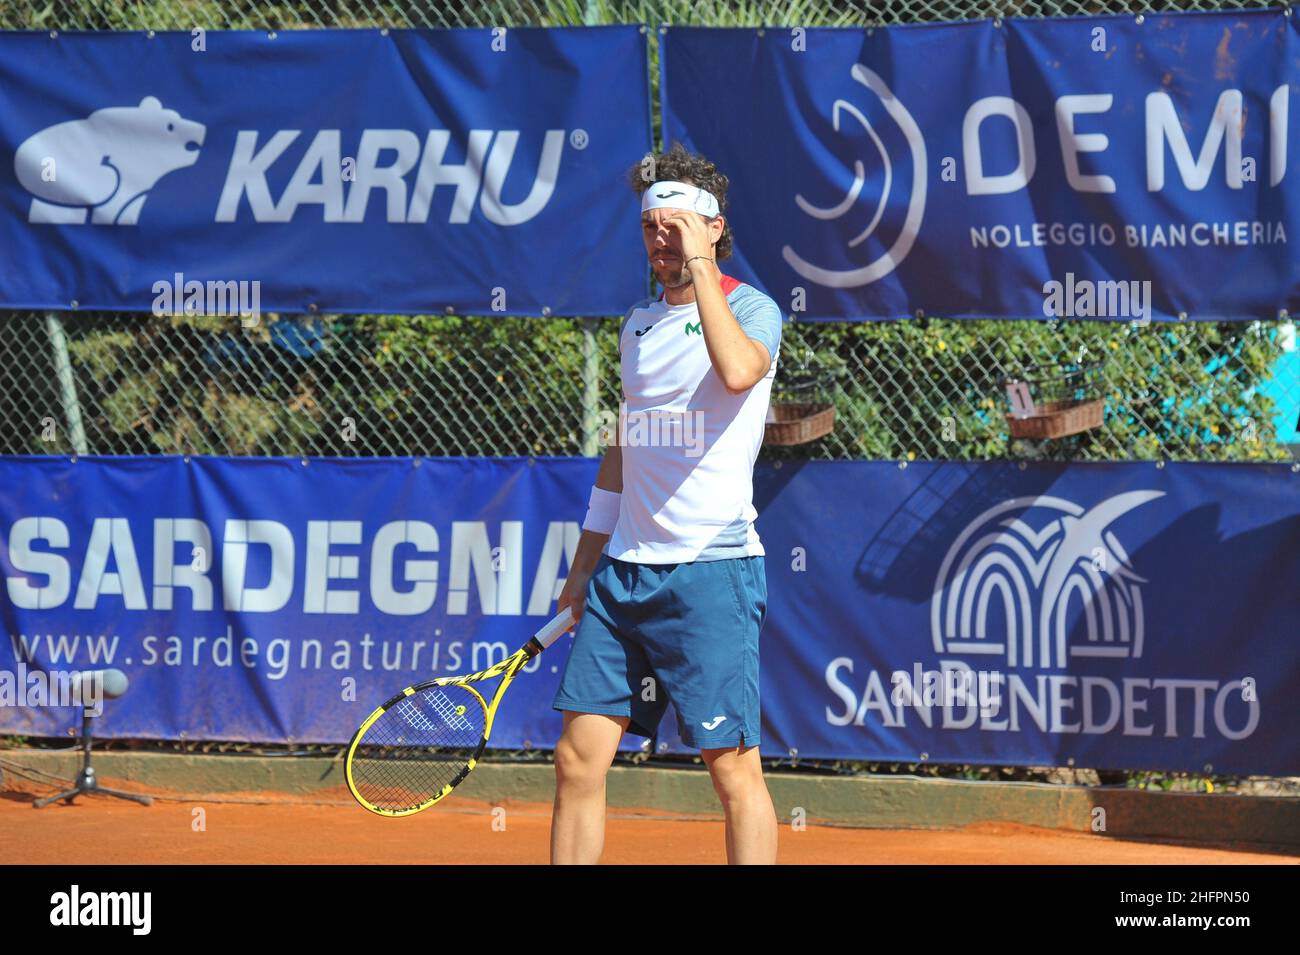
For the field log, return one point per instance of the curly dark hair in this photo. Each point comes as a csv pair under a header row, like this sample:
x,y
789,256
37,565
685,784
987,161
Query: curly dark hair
x,y
682,166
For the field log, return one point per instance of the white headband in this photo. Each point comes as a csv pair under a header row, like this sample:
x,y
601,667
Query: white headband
x,y
679,195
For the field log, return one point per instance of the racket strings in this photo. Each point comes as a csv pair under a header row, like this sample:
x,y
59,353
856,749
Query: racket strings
x,y
450,714
419,746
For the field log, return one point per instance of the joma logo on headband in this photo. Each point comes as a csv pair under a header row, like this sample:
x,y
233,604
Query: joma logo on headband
x,y
669,195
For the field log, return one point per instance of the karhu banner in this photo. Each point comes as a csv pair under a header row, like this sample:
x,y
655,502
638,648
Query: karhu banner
x,y
1128,168
477,171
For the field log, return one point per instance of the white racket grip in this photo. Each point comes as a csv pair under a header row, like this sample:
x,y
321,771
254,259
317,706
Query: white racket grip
x,y
559,624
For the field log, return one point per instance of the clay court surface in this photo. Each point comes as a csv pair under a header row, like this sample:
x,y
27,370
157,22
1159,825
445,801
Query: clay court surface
x,y
330,828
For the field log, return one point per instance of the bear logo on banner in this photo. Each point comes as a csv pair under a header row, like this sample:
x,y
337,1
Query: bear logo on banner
x,y
105,164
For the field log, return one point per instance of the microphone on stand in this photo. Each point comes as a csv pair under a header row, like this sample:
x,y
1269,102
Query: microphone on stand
x,y
91,688
113,681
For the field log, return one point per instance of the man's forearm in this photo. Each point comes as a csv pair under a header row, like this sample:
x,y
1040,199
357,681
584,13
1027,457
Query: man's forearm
x,y
739,360
590,546
609,477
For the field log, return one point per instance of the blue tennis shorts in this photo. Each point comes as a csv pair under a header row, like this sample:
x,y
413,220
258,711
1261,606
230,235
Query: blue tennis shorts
x,y
688,633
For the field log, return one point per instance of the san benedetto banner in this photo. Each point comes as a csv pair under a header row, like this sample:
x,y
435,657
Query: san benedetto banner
x,y
1115,615
1123,167
476,170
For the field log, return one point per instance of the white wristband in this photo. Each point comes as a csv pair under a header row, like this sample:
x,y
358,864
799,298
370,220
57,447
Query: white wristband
x,y
602,511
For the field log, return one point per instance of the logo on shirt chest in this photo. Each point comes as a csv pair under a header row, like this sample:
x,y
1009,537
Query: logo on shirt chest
x,y
664,368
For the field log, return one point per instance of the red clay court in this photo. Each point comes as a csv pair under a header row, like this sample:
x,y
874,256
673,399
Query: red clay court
x,y
332,829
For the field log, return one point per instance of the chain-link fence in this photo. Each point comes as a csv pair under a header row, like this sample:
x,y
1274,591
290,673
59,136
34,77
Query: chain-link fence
x,y
442,385
450,385
258,14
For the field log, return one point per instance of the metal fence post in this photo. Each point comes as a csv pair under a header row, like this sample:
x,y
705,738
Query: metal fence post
x,y
590,354
590,388
67,386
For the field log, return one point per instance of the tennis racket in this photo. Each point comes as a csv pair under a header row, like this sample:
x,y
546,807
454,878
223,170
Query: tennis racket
x,y
420,745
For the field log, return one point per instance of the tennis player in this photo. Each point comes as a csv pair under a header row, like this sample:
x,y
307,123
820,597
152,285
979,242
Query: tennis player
x,y
668,582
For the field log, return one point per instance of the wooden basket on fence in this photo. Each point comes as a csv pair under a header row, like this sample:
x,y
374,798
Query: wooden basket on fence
x,y
1053,401
1056,419
798,422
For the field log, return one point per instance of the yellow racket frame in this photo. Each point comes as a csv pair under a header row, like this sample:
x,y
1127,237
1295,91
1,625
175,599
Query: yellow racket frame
x,y
508,668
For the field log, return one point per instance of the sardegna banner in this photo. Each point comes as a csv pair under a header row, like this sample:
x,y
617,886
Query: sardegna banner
x,y
1120,615
477,170
1115,167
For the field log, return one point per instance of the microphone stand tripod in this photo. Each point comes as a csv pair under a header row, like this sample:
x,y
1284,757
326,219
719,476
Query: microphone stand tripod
x,y
87,782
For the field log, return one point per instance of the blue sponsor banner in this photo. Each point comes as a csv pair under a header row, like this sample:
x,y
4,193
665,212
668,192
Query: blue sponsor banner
x,y
1120,615
1005,169
342,170
271,600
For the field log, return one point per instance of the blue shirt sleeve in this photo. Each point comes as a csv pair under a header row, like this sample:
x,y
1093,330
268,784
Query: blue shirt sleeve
x,y
759,317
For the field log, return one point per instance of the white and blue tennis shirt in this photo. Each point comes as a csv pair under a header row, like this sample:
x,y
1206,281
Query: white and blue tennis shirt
x,y
689,445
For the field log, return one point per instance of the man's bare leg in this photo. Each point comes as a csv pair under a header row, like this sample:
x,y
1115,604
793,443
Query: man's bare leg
x,y
751,819
582,759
